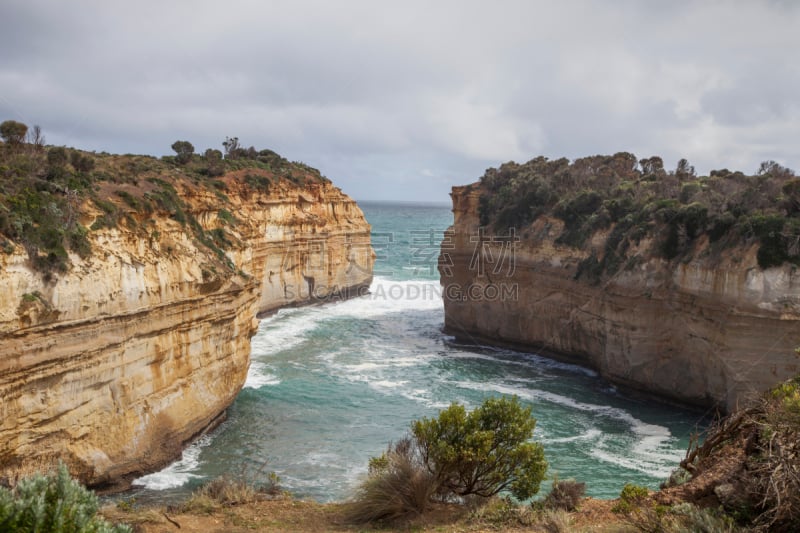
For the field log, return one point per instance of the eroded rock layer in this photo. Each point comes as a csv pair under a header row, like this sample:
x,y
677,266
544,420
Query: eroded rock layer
x,y
116,364
704,332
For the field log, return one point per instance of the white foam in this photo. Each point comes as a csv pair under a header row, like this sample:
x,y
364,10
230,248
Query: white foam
x,y
590,435
258,376
361,367
648,463
422,396
386,384
281,331
178,473
389,296
288,328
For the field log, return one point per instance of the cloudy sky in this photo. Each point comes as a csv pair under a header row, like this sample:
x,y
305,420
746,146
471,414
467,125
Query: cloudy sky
x,y
402,100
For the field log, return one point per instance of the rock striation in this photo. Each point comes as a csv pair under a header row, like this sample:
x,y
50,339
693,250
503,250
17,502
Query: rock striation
x,y
706,331
114,366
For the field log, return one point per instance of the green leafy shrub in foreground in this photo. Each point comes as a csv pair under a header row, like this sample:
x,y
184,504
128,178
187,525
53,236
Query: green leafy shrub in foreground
x,y
630,498
53,503
454,457
485,451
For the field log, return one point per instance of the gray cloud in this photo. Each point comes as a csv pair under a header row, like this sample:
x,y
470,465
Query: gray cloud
x,y
403,100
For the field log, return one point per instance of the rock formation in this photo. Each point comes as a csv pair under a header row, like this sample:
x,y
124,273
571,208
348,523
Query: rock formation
x,y
116,364
707,330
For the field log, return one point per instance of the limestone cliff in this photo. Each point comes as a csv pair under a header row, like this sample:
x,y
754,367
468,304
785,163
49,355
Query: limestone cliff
x,y
707,328
115,363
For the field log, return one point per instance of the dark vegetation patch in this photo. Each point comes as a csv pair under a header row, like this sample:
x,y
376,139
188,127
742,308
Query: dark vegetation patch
x,y
636,199
45,191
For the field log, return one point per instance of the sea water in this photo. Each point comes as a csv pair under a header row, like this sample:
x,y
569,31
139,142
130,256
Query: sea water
x,y
331,385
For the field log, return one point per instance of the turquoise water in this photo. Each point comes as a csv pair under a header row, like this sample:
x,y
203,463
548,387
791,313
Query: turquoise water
x,y
331,385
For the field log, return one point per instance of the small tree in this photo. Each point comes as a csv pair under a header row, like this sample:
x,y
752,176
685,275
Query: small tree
x,y
57,156
483,452
232,147
214,160
13,132
684,170
653,165
36,137
775,170
185,151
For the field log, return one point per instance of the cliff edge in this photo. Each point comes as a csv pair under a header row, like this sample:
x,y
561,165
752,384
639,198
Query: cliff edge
x,y
683,287
130,290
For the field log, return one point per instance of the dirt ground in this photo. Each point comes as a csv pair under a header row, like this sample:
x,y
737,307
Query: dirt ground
x,y
288,515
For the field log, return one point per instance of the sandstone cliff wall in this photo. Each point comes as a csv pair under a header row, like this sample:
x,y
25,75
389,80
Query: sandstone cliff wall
x,y
115,365
706,332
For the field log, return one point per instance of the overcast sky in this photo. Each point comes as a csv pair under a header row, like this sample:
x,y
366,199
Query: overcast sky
x,y
401,100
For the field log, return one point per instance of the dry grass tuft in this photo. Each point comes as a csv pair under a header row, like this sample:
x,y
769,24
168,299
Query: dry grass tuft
x,y
226,491
555,521
566,495
398,487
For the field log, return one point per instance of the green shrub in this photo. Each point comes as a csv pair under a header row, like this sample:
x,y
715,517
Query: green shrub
x,y
720,226
633,493
226,216
773,250
455,456
259,183
483,452
81,163
688,191
630,498
140,205
168,199
54,503
694,218
56,161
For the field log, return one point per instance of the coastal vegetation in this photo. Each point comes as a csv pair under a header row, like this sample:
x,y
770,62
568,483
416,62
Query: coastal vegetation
x,y
643,209
47,191
52,503
454,457
741,475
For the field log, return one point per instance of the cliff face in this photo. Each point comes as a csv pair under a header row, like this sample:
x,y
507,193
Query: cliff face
x,y
707,331
116,364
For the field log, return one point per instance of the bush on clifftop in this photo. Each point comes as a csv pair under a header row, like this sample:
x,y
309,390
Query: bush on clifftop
x,y
676,210
48,193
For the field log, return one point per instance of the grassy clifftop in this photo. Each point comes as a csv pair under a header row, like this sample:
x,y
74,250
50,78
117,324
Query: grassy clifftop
x,y
682,213
47,193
